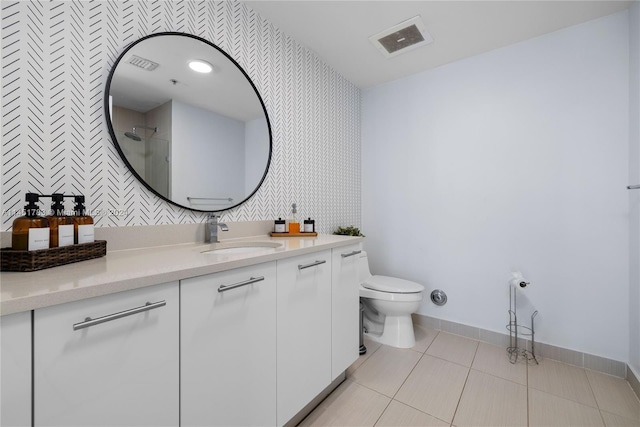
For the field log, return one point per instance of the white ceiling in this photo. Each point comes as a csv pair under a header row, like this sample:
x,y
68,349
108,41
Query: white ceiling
x,y
338,31
141,90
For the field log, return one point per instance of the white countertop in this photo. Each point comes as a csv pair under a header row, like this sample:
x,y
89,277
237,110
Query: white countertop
x,y
123,270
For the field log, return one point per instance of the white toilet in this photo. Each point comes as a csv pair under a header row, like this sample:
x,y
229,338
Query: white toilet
x,y
388,304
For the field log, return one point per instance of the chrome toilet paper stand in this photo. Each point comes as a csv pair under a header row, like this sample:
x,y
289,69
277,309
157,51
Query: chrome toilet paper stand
x,y
516,330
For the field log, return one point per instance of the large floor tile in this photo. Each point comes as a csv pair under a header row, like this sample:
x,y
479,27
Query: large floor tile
x,y
612,420
494,360
614,395
434,386
562,380
453,348
547,410
424,337
491,401
349,405
372,347
386,369
399,415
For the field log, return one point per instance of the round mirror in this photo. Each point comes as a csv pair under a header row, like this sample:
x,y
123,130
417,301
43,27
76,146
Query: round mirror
x,y
188,122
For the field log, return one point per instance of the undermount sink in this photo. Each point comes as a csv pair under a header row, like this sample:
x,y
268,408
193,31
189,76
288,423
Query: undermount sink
x,y
241,247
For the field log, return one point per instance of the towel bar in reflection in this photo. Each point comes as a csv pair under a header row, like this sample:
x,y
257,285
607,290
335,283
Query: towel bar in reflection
x,y
224,199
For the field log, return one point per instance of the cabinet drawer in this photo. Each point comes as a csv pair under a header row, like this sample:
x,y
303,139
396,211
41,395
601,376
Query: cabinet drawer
x,y
121,370
345,308
15,374
228,354
304,331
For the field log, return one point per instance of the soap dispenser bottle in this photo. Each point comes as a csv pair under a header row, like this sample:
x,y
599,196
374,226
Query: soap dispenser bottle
x,y
60,224
294,225
309,225
280,226
82,223
31,231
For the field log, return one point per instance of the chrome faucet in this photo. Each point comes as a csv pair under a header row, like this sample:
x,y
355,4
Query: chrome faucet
x,y
213,224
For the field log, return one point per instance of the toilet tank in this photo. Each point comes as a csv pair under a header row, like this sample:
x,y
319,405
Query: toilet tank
x,y
363,267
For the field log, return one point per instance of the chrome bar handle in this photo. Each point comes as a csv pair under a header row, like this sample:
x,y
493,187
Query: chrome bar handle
x,y
251,280
313,264
350,254
633,187
92,322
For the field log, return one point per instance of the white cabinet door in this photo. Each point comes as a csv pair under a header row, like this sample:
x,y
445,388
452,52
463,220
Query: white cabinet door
x,y
123,372
228,353
15,371
345,308
304,331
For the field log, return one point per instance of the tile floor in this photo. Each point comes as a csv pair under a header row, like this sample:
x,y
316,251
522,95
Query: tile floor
x,y
448,380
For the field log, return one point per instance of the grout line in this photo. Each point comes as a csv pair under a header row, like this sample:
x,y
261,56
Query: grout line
x,y
593,393
422,354
383,411
407,377
450,361
496,376
422,412
432,341
464,386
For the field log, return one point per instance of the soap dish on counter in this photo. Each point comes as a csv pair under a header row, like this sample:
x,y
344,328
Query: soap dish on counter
x,y
14,260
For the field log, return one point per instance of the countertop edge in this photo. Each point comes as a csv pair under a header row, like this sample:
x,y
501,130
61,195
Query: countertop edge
x,y
62,296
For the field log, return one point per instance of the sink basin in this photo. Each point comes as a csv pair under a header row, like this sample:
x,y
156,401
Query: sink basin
x,y
241,247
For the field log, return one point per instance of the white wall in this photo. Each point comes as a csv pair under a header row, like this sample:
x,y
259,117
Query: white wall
x,y
516,159
634,195
211,143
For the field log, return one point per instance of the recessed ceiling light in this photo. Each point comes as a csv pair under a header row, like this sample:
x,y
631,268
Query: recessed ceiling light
x,y
200,66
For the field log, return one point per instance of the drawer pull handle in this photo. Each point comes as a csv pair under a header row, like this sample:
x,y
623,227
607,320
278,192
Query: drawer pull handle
x,y
313,264
350,254
92,322
223,288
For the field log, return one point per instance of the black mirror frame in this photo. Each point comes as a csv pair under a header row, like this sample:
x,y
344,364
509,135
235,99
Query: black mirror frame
x,y
121,153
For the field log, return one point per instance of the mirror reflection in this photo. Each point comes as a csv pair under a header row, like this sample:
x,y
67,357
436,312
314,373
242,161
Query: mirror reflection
x,y
188,122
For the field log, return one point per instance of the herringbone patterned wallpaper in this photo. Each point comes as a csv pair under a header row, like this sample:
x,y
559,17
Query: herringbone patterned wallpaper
x,y
56,57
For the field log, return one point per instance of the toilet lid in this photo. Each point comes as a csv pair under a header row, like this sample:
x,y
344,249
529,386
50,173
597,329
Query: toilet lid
x,y
392,284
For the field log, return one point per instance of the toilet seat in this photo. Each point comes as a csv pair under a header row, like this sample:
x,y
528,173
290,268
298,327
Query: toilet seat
x,y
392,285
390,296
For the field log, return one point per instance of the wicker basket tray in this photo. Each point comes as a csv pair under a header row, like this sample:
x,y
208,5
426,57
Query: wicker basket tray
x,y
12,260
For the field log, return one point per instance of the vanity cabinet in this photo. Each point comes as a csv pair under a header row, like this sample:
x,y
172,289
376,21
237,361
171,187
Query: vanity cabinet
x,y
250,345
345,308
228,348
304,331
120,372
15,369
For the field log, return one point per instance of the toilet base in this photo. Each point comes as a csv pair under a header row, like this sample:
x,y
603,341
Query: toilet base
x,y
397,332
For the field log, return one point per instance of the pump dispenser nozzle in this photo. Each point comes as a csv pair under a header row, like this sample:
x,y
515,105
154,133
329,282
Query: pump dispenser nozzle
x,y
31,209
79,207
58,204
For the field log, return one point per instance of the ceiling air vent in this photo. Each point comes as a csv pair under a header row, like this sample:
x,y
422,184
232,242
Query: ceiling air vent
x,y
401,38
145,64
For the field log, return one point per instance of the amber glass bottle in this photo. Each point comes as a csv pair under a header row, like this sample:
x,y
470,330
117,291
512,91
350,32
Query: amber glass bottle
x,y
82,223
20,239
61,229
